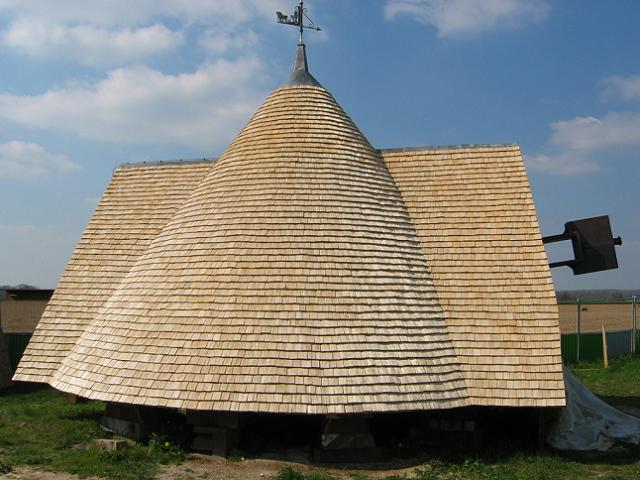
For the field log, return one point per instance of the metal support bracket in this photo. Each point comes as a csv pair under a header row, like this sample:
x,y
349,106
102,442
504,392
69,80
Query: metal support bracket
x,y
593,245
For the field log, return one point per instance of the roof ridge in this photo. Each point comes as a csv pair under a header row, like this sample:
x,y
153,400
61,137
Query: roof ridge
x,y
160,163
448,147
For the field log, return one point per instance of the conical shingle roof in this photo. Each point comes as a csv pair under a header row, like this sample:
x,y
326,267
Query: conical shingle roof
x,y
291,280
306,272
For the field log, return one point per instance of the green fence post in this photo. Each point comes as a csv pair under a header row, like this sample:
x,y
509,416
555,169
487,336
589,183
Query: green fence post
x,y
578,321
634,325
17,345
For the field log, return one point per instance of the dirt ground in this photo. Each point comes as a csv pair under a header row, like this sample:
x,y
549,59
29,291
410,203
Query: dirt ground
x,y
29,473
592,316
204,467
216,468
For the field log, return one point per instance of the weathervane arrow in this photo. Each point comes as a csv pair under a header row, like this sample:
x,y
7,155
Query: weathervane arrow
x,y
297,20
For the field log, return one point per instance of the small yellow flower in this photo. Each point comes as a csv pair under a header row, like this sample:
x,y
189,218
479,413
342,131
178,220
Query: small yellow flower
x,y
167,444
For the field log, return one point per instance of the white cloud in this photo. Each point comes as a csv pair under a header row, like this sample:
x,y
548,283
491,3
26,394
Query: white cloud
x,y
218,42
128,13
577,141
562,164
23,160
461,17
88,44
117,32
615,130
205,108
624,88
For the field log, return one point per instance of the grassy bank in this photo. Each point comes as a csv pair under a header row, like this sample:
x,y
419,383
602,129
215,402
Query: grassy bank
x,y
520,467
39,428
621,379
620,465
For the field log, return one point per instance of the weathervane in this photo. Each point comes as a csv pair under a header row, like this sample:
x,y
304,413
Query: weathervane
x,y
297,19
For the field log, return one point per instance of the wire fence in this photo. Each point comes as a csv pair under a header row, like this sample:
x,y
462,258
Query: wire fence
x,y
584,324
16,345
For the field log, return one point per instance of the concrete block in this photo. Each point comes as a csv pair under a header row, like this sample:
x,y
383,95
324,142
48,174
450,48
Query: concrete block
x,y
110,443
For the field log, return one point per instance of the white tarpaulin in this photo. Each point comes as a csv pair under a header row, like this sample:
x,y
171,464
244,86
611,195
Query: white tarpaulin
x,y
588,423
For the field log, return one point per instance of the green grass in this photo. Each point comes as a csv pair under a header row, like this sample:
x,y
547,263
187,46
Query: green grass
x,y
621,379
517,467
39,428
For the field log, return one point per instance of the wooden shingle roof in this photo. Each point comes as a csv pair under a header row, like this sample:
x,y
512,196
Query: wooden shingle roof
x,y
474,214
306,272
136,205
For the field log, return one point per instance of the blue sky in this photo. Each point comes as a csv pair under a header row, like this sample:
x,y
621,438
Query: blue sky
x,y
88,85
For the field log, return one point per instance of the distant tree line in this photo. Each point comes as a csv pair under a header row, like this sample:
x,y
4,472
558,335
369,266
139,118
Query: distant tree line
x,y
603,295
22,286
596,295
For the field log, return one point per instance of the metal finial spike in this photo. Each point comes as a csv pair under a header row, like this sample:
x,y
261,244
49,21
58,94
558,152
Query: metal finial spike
x,y
301,64
300,11
300,74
